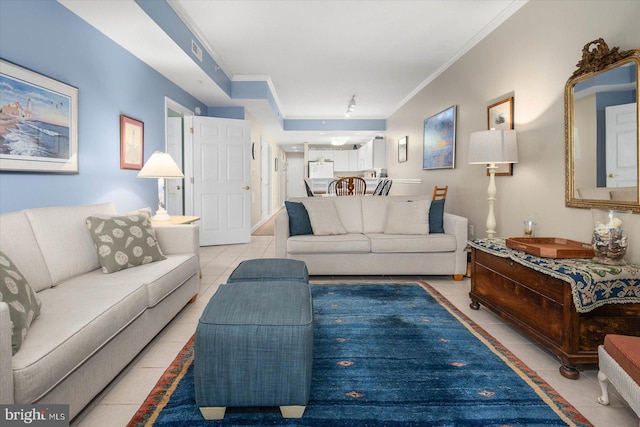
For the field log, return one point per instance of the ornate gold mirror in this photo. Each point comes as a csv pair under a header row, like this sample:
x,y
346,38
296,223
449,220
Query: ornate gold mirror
x,y
601,129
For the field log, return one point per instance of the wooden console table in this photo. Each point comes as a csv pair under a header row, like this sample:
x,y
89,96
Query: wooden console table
x,y
542,303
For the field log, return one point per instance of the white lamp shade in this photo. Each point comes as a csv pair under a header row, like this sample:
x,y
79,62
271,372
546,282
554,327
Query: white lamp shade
x,y
493,146
160,165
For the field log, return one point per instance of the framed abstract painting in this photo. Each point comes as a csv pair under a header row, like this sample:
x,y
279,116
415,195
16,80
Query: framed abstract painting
x,y
38,122
439,140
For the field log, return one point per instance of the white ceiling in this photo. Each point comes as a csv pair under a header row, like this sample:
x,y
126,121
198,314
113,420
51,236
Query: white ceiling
x,y
315,54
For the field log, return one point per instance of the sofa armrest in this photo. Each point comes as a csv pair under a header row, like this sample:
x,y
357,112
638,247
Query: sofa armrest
x,y
457,226
6,356
281,234
179,239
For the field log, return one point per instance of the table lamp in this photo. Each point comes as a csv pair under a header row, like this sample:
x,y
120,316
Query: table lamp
x,y
160,165
492,147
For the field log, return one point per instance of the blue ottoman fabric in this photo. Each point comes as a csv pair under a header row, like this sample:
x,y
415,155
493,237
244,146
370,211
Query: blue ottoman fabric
x,y
270,269
254,344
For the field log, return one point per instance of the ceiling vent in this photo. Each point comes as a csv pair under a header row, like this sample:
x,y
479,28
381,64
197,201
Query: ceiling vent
x,y
196,50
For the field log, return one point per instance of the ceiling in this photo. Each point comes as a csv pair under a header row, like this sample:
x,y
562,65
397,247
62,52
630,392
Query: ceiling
x,y
314,54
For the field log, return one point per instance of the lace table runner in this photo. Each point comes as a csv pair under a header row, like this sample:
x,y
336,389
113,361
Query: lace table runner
x,y
592,284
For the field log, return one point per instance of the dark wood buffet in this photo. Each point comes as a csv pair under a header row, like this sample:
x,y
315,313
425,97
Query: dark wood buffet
x,y
541,306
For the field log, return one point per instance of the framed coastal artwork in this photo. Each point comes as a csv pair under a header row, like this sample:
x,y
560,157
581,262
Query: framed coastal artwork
x,y
439,140
131,143
402,149
500,116
38,122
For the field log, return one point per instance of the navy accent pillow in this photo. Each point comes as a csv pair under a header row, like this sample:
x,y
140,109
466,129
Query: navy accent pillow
x,y
299,222
436,211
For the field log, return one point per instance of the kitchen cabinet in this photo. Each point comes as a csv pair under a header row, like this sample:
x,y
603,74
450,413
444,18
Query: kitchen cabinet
x,y
372,155
344,160
379,154
365,156
353,160
316,154
341,160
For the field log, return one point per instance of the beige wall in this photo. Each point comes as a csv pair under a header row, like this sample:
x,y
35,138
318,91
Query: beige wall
x,y
530,56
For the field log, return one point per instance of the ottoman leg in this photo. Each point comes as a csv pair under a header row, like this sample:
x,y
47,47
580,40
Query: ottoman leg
x,y
294,411
213,412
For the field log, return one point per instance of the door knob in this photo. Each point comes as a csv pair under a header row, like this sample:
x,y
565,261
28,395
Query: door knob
x,y
177,187
612,175
246,187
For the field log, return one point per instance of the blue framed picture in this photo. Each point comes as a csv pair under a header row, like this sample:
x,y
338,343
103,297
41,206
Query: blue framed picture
x,y
439,146
38,122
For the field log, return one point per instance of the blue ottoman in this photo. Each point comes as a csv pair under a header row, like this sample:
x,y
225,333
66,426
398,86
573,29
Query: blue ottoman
x,y
253,347
270,269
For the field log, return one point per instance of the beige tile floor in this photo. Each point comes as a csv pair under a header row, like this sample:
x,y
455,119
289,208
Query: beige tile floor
x,y
119,402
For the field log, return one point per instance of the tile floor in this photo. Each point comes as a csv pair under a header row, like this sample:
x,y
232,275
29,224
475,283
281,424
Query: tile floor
x,y
119,402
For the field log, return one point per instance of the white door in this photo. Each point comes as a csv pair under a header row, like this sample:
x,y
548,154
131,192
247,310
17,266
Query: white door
x,y
175,187
265,179
222,177
621,145
295,175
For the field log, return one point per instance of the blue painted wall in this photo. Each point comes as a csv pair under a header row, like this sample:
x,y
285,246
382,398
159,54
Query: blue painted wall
x,y
46,37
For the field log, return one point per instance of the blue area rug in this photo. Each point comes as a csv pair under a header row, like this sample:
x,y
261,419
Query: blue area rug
x,y
388,355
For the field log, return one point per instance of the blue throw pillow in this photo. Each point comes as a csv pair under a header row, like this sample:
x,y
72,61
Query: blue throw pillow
x,y
299,222
436,211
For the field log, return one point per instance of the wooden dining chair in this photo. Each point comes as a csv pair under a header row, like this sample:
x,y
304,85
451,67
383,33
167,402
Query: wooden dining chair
x,y
440,192
379,188
351,186
331,188
386,188
306,186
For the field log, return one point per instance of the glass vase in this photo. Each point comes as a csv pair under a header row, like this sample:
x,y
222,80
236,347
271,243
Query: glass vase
x,y
609,236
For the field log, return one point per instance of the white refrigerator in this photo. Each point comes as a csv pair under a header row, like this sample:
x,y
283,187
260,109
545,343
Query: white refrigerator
x,y
321,169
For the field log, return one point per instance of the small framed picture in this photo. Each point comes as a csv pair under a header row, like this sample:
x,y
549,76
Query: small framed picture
x,y
500,116
131,143
402,149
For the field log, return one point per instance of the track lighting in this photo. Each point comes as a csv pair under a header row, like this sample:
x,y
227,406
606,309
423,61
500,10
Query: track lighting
x,y
351,106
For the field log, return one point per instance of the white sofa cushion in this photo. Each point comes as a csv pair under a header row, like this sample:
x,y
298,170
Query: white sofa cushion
x,y
350,212
345,243
61,231
407,217
375,209
18,242
374,214
75,321
403,243
324,217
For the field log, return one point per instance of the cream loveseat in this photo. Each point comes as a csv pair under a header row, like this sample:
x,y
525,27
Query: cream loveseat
x,y
91,324
379,236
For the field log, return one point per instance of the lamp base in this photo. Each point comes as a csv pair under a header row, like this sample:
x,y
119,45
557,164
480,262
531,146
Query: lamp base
x,y
161,215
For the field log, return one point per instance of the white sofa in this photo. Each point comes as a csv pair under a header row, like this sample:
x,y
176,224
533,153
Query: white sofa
x,y
91,324
367,250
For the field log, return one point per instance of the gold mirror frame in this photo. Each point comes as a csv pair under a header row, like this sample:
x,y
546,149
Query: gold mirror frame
x,y
597,58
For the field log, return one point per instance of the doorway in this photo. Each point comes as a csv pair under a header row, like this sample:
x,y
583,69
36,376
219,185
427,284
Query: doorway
x,y
295,175
265,179
178,120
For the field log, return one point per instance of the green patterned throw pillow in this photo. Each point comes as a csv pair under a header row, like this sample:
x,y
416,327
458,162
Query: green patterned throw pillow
x,y
124,241
24,304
